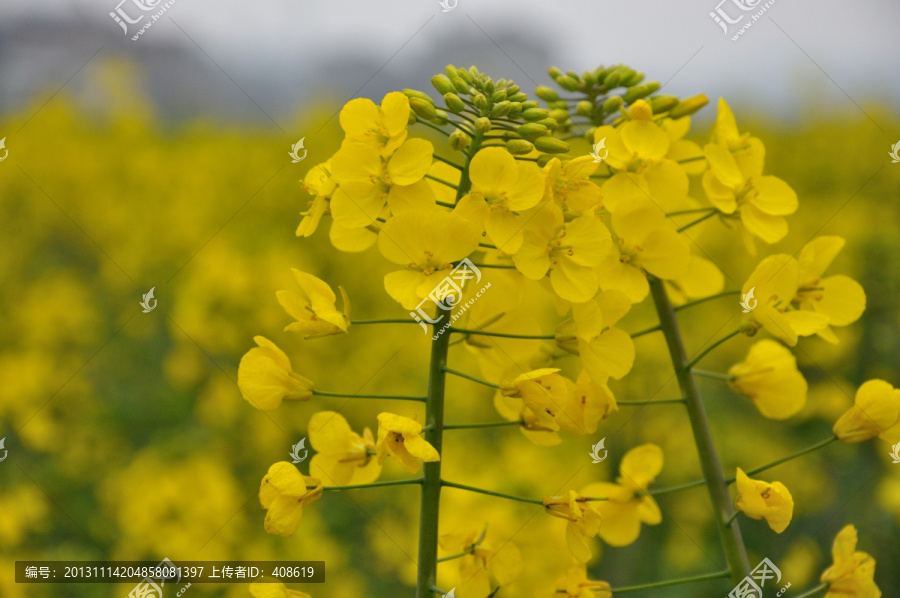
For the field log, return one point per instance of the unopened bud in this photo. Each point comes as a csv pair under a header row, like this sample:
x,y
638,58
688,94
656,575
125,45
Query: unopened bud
x,y
633,78
543,159
454,103
464,75
559,115
568,83
640,110
459,140
499,95
534,114
414,93
423,109
548,122
554,72
612,79
460,85
517,97
440,117
548,94
442,84
480,102
532,130
512,88
515,110
589,135
662,104
482,125
612,104
584,108
588,79
529,105
640,91
689,106
519,147
551,145
500,109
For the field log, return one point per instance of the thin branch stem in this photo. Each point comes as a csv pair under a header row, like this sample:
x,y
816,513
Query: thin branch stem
x,y
448,162
705,299
347,395
503,334
646,331
710,348
431,126
715,375
472,378
677,488
692,211
651,402
672,582
697,221
533,501
812,592
384,321
790,457
441,181
414,481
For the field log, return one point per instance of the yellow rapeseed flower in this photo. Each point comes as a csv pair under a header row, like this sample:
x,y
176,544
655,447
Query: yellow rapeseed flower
x,y
284,492
317,182
628,504
853,571
764,500
647,243
383,127
486,565
589,402
266,378
576,584
606,351
568,250
426,243
342,456
401,438
584,521
876,413
839,298
569,184
544,391
770,377
313,307
502,188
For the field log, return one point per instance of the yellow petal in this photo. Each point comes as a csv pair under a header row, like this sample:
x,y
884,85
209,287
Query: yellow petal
x,y
817,255
410,162
351,239
358,116
284,516
843,300
773,196
609,355
395,112
665,253
641,465
421,449
493,169
645,139
286,479
723,165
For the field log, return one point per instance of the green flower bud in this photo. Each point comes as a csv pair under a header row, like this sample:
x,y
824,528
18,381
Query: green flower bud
x,y
584,108
559,115
588,78
464,75
413,93
413,119
560,105
532,130
440,117
543,159
550,145
459,140
499,95
554,72
533,114
548,94
612,104
515,110
662,104
460,85
500,109
550,123
442,84
489,85
454,103
451,71
529,105
423,109
482,125
689,106
589,135
519,147
638,92
512,88
480,102
501,83
632,79
517,97
612,79
473,72
568,83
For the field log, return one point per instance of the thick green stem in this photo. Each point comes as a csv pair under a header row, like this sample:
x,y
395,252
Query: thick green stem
x,y
730,534
431,479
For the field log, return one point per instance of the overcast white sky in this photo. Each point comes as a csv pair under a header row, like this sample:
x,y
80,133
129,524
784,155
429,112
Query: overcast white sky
x,y
798,46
